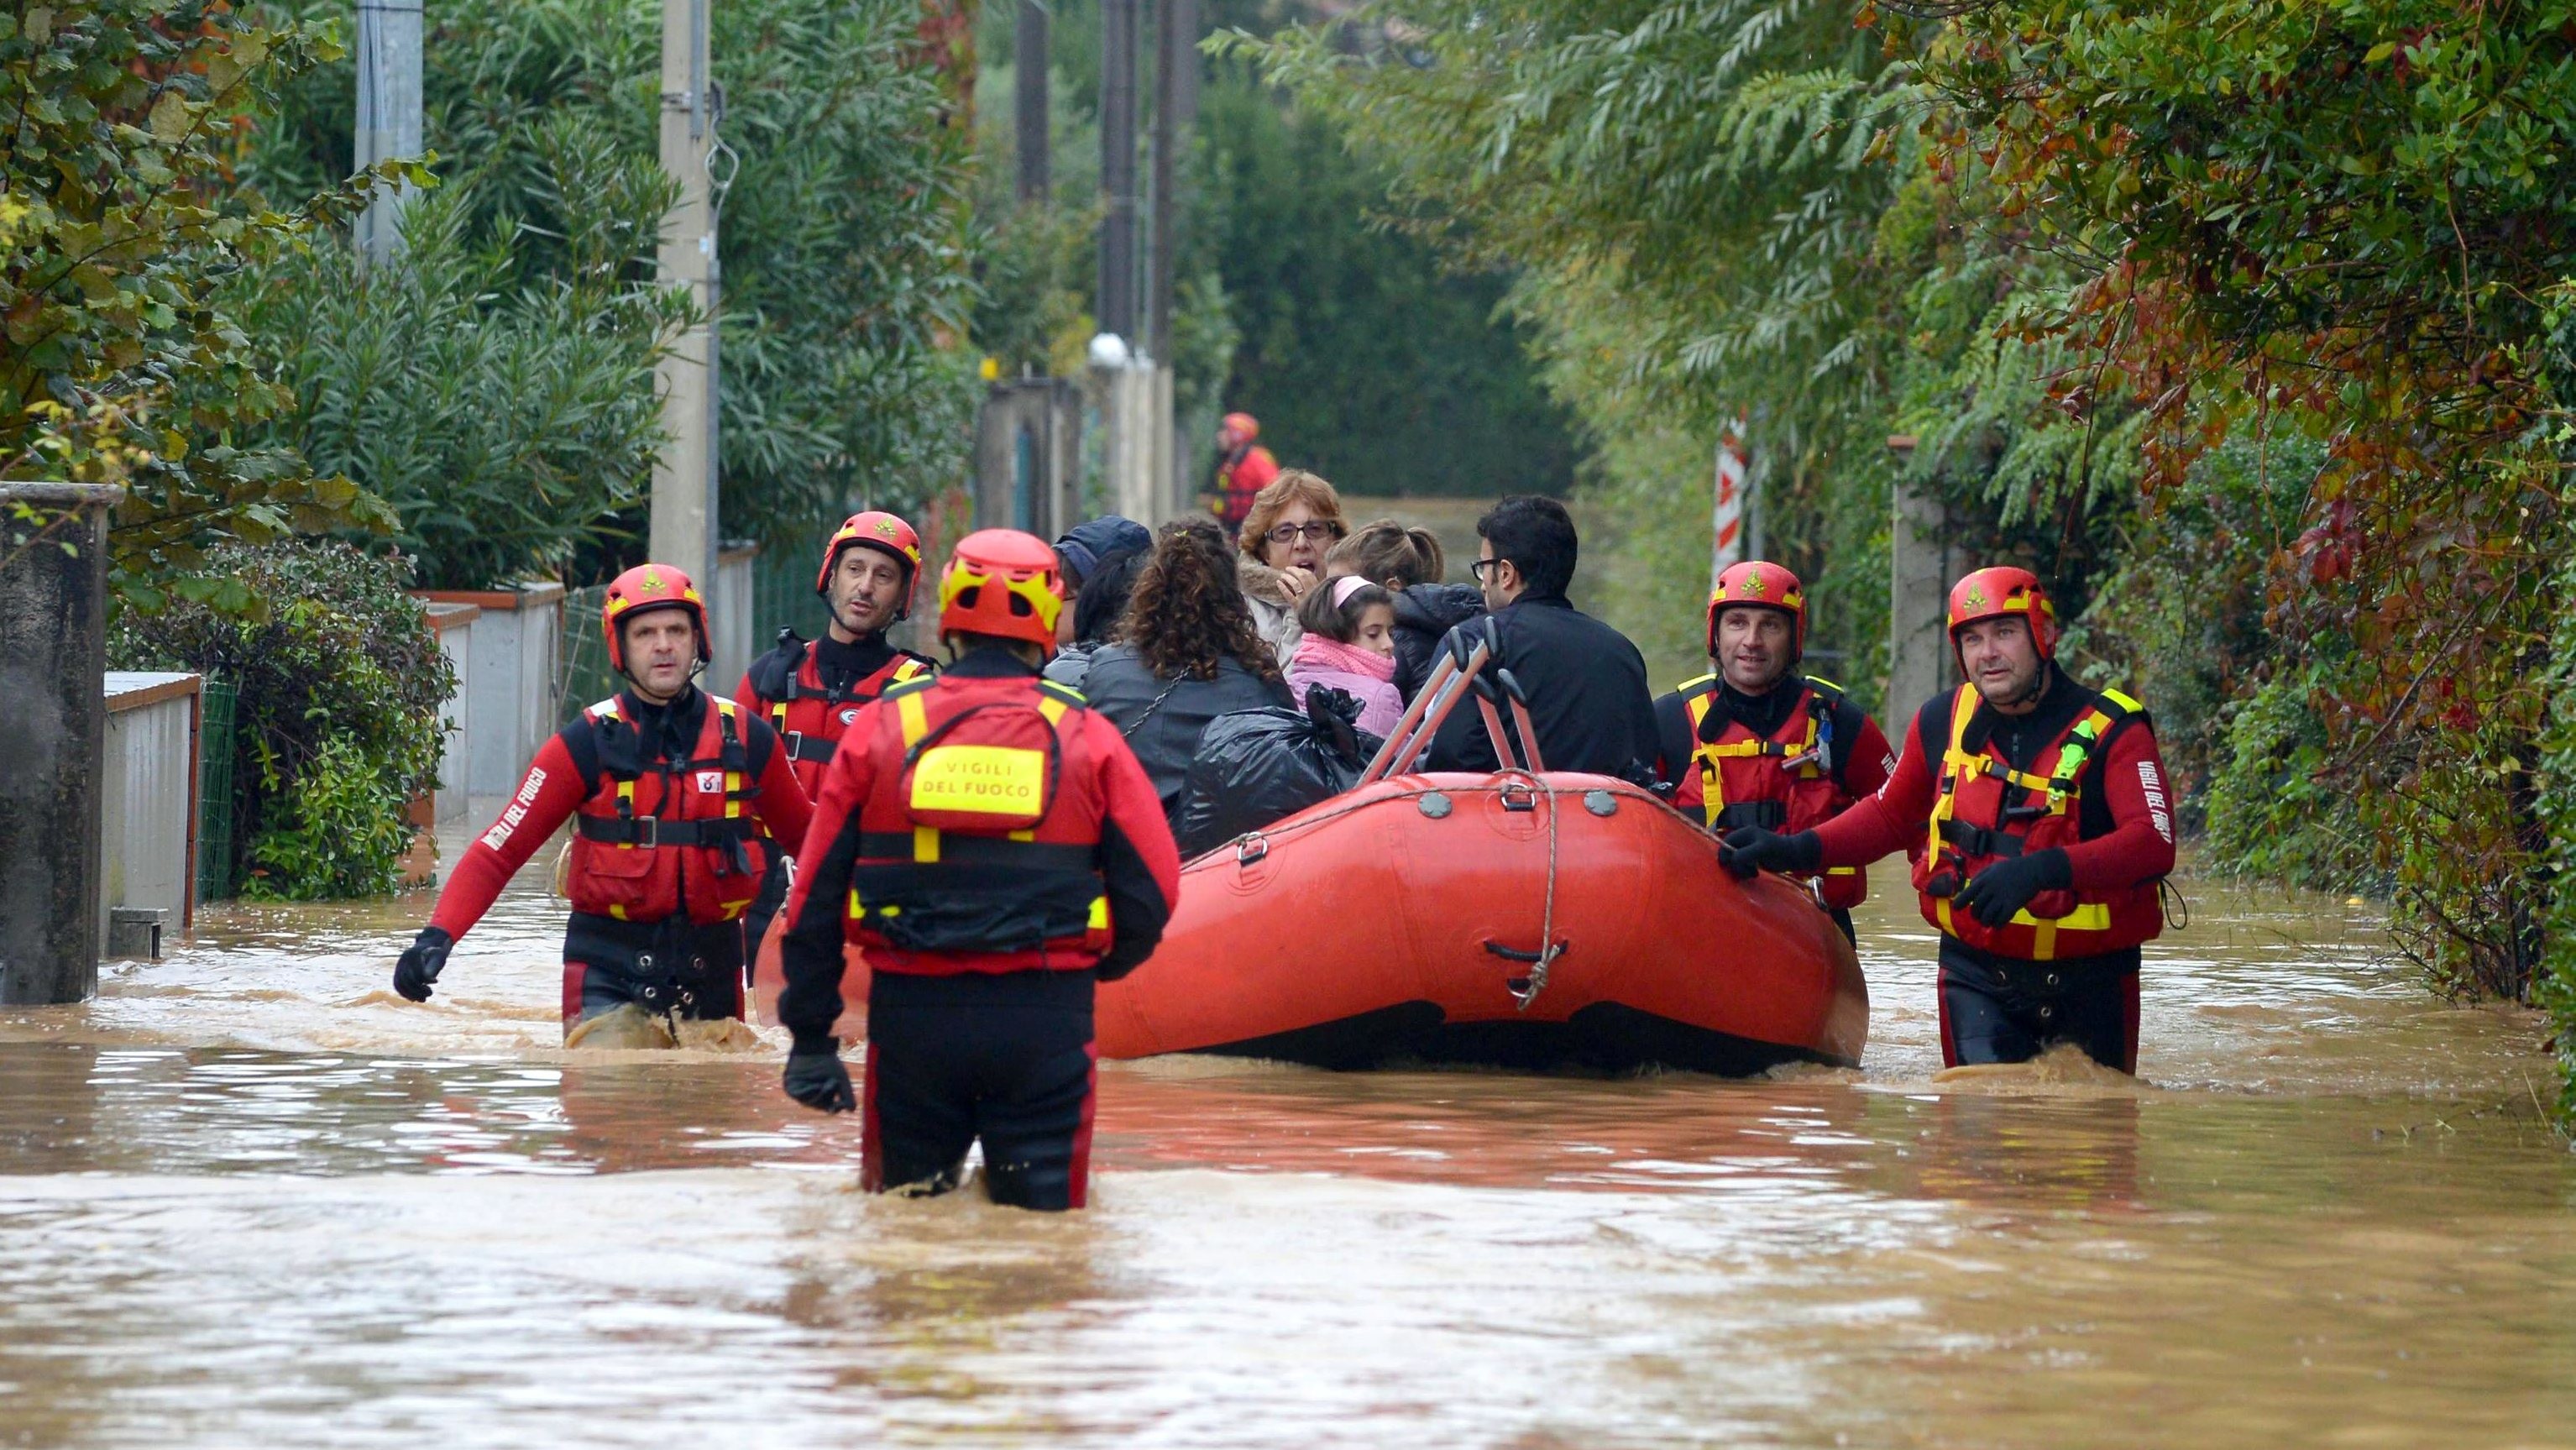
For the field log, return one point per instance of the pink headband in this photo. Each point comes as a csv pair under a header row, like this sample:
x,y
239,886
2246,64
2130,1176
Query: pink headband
x,y
1345,587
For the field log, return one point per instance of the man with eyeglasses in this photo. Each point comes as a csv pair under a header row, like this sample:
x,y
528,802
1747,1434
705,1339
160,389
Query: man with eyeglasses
x,y
1586,683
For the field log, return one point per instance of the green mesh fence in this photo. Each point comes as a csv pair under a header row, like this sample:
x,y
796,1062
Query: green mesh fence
x,y
215,789
783,597
582,676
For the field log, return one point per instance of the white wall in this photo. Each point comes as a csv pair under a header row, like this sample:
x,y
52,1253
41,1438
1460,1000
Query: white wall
x,y
730,609
148,796
454,624
509,694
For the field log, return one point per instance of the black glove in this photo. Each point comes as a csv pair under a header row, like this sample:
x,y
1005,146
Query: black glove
x,y
1994,894
816,1077
421,963
1751,849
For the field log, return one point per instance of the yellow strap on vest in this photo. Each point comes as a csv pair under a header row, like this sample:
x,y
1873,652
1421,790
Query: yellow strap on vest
x,y
2090,916
733,778
1712,789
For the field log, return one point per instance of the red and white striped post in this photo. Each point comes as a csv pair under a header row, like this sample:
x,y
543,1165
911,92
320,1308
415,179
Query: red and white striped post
x,y
1726,521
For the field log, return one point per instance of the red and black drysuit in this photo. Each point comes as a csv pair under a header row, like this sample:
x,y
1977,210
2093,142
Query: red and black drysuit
x,y
2078,787
1788,760
984,940
664,859
809,694
1240,477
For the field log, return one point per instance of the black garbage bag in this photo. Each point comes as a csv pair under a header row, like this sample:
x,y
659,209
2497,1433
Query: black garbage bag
x,y
1255,767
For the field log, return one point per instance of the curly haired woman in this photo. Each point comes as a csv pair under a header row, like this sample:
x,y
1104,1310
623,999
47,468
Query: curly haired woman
x,y
1186,653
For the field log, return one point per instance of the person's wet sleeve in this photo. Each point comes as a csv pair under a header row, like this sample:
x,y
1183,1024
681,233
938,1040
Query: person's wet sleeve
x,y
1868,760
1140,866
781,805
547,796
2140,845
1888,820
826,856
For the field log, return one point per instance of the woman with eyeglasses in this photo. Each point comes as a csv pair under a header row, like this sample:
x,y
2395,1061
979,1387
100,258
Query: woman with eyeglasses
x,y
1294,522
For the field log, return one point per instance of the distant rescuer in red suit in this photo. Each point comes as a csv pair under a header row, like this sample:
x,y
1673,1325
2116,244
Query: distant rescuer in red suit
x,y
996,849
663,783
1759,744
1243,468
809,693
2041,812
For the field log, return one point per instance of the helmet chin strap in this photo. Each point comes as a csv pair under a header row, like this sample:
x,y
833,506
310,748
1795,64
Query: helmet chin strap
x,y
2029,693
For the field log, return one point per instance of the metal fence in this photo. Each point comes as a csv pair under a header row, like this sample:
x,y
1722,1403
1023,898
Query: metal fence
x,y
215,751
582,675
783,597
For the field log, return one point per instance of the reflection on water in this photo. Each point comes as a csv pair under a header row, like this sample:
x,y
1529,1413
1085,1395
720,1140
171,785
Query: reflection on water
x,y
252,1198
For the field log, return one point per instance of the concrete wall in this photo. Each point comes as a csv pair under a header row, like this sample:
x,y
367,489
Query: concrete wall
x,y
148,797
1028,457
509,693
1921,565
454,624
730,611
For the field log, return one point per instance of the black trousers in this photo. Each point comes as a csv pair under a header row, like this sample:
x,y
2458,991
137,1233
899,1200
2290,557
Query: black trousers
x,y
1997,1009
668,968
1007,1058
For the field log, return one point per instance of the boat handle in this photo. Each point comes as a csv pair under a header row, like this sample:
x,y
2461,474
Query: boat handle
x,y
1528,959
1251,849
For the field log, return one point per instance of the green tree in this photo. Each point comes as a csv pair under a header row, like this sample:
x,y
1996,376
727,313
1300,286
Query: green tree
x,y
2344,221
845,284
119,360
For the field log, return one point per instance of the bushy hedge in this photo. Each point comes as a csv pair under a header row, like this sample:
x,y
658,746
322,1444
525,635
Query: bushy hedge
x,y
843,238
336,730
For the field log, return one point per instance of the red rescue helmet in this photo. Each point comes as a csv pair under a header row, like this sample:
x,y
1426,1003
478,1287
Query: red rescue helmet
x,y
1759,584
876,530
1245,427
1002,582
645,588
1990,593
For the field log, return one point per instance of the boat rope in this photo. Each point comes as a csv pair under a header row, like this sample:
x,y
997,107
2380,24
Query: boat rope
x,y
1525,990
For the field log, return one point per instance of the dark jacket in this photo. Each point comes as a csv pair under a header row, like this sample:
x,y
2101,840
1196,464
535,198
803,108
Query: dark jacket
x,y
1165,736
1423,613
1587,695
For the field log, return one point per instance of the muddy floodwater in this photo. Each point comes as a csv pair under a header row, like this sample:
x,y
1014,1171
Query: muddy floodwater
x,y
251,1198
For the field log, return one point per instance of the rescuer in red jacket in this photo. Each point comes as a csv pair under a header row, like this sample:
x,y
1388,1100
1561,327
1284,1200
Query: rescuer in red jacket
x,y
996,849
2040,811
1759,744
1243,469
810,693
663,783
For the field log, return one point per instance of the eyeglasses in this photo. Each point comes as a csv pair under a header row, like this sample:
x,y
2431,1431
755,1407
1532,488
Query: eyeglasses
x,y
1479,567
1316,532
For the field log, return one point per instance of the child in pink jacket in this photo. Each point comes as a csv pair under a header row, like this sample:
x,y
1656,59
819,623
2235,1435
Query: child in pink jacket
x,y
1349,645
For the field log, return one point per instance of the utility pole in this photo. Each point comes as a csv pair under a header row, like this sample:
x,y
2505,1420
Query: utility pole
x,y
389,124
1029,59
1118,169
1171,46
684,475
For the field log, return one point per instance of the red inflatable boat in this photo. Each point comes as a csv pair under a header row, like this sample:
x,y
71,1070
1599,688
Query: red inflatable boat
x,y
1527,919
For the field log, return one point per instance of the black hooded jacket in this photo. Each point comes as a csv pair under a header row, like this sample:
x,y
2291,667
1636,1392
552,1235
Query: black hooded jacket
x,y
1587,693
1423,613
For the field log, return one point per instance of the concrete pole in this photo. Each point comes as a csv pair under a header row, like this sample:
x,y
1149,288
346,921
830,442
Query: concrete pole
x,y
1029,64
1919,570
1118,310
684,476
53,713
389,113
1160,277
